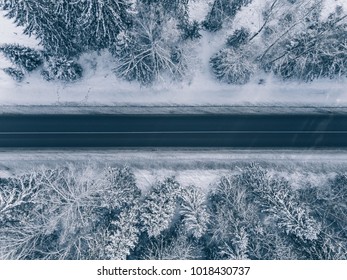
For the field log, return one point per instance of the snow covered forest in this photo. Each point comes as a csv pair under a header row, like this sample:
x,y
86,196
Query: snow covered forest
x,y
152,41
252,213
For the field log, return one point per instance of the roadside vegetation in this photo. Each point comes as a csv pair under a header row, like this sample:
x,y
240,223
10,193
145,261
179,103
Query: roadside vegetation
x,y
253,213
153,41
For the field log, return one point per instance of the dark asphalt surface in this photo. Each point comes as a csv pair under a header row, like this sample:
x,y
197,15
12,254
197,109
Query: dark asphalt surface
x,y
239,131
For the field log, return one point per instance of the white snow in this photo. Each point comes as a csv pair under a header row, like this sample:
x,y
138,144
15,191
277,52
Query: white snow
x,y
100,87
200,167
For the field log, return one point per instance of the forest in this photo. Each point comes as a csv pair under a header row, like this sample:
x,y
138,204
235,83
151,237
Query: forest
x,y
75,213
153,40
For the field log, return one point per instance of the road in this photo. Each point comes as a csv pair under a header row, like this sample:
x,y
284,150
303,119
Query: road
x,y
239,131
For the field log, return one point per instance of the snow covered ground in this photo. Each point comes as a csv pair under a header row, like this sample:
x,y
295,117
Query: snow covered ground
x,y
201,167
100,87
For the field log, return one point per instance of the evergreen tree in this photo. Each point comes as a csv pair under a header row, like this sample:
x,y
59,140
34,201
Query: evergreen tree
x,y
53,23
238,38
25,58
159,207
102,21
194,213
222,10
120,188
123,235
190,30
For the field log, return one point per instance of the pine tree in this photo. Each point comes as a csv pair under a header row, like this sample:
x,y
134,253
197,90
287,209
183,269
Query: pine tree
x,y
238,38
194,211
222,10
25,58
120,188
159,207
123,235
53,23
190,30
102,21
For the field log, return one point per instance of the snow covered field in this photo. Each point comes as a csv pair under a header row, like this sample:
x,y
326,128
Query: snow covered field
x,y
100,87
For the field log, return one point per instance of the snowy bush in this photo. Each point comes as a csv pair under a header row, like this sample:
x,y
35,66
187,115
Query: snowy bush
x,y
27,59
61,68
159,207
232,66
16,74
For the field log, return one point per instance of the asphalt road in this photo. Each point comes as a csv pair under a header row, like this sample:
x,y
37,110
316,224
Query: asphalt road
x,y
239,131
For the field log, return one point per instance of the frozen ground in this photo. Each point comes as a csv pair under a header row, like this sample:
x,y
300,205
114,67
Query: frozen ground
x,y
200,167
100,88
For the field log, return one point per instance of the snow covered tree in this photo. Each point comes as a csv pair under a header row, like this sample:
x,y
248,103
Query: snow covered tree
x,y
232,218
172,244
237,247
190,30
120,188
318,52
102,21
159,207
328,204
61,68
222,10
123,234
286,25
276,198
193,210
177,9
149,53
53,23
238,38
233,66
22,228
27,59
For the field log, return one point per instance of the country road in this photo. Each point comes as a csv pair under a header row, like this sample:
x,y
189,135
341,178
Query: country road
x,y
239,131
